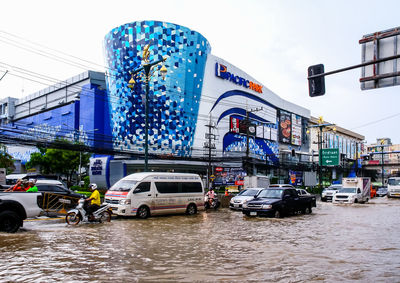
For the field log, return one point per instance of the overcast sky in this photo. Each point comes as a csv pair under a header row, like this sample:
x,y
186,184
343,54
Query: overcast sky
x,y
273,41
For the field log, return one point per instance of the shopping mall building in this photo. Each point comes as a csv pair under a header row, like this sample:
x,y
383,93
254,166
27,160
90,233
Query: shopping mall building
x,y
206,111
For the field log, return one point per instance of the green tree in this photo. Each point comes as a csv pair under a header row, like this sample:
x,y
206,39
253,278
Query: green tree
x,y
6,160
58,161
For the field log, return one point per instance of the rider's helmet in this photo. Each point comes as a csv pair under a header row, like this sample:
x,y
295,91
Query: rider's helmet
x,y
92,186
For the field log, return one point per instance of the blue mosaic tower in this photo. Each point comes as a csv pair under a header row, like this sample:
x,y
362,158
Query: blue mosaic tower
x,y
173,103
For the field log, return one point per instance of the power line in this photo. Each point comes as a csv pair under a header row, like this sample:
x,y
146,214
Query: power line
x,y
377,121
52,56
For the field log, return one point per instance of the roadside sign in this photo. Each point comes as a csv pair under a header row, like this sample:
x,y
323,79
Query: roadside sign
x,y
375,46
329,157
2,176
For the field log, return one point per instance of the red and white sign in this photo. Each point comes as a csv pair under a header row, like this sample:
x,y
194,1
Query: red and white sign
x,y
239,183
234,125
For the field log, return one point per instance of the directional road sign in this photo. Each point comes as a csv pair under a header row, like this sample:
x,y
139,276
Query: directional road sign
x,y
329,157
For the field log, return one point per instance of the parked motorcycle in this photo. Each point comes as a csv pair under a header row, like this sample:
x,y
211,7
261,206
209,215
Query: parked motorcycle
x,y
78,214
214,204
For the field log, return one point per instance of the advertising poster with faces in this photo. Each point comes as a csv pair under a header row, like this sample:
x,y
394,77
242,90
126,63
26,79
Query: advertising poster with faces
x,y
285,127
234,125
296,129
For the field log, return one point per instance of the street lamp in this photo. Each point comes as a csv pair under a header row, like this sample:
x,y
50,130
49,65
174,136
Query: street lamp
x,y
321,125
147,72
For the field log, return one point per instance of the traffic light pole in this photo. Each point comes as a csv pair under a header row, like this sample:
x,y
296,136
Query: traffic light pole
x,y
359,66
316,75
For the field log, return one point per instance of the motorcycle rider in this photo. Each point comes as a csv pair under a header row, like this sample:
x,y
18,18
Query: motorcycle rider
x,y
94,200
210,195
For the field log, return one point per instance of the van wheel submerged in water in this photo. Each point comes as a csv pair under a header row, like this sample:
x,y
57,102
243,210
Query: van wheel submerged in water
x,y
143,212
191,209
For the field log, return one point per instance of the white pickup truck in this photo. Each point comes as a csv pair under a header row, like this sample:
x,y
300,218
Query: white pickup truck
x,y
354,190
15,207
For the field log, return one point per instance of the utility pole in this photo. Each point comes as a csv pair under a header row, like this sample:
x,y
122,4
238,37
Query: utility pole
x,y
383,163
209,145
247,123
321,125
319,157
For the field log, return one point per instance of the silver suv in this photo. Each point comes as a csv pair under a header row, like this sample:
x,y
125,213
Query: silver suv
x,y
236,203
327,193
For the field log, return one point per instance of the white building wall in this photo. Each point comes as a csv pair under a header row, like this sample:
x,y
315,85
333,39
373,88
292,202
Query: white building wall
x,y
214,86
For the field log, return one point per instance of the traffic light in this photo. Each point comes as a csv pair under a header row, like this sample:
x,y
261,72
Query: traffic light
x,y
316,86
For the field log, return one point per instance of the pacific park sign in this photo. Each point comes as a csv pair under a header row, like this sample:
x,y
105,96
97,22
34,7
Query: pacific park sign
x,y
222,72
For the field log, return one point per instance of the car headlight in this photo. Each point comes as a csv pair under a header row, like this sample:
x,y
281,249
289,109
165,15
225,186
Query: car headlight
x,y
244,205
125,201
266,206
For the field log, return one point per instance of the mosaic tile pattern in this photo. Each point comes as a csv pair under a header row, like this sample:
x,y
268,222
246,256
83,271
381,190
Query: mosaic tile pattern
x,y
173,103
259,148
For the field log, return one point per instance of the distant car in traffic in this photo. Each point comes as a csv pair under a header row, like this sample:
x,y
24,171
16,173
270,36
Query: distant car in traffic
x,y
237,201
55,187
327,193
303,192
381,192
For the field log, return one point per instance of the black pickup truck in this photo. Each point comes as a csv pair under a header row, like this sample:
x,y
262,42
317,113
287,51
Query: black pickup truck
x,y
278,202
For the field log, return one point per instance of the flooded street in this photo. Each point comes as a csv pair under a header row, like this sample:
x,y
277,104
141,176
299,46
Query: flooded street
x,y
333,244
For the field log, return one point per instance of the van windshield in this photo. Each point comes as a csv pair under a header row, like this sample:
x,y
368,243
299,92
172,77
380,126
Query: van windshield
x,y
394,182
123,185
348,190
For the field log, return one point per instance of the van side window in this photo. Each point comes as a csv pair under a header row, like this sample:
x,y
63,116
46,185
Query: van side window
x,y
191,187
142,187
178,187
167,187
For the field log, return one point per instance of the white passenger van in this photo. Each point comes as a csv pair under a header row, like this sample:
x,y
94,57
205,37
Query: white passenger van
x,y
393,187
145,194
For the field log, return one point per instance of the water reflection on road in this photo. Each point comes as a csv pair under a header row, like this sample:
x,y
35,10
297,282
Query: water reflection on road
x,y
335,243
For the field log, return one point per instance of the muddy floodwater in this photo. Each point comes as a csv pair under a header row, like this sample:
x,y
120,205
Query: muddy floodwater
x,y
357,243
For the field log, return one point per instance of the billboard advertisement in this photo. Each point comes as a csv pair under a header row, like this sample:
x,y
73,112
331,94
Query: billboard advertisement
x,y
239,126
296,178
285,126
296,129
234,125
229,177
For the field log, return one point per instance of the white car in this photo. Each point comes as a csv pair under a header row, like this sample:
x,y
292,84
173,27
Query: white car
x,y
327,193
303,192
237,201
